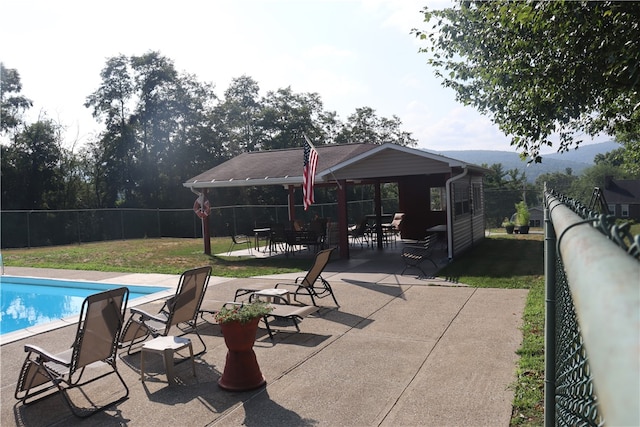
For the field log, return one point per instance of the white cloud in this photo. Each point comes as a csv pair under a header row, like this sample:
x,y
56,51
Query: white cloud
x,y
461,129
327,52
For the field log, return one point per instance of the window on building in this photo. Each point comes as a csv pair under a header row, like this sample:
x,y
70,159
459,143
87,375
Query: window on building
x,y
624,211
612,209
477,199
438,199
461,199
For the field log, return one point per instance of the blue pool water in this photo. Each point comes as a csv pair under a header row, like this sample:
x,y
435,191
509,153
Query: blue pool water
x,y
28,301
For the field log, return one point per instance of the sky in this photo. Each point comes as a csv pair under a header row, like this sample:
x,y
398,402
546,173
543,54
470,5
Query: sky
x,y
353,53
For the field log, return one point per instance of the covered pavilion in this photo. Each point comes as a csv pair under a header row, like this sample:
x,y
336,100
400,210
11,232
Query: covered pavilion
x,y
434,191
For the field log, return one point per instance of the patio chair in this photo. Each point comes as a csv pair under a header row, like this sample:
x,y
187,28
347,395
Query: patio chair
x,y
278,239
238,239
360,233
99,326
392,229
415,254
181,311
319,228
308,284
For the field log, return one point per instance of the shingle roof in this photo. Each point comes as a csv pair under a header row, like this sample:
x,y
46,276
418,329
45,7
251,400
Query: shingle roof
x,y
623,191
261,165
277,167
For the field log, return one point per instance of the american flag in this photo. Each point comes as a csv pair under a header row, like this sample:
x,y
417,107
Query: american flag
x,y
308,172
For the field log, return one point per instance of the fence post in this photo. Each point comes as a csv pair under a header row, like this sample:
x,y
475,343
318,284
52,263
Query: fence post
x,y
233,218
549,321
195,226
603,283
78,226
29,229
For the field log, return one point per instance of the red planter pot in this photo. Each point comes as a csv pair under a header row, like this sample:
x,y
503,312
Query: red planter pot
x,y
241,370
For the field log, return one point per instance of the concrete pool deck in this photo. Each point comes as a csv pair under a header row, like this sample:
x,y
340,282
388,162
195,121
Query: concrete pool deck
x,y
400,350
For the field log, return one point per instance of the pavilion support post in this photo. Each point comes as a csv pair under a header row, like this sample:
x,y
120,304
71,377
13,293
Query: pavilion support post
x,y
343,224
292,203
206,233
377,199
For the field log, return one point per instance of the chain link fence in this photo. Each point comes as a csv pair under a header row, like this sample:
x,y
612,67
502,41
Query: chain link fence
x,y
34,228
592,276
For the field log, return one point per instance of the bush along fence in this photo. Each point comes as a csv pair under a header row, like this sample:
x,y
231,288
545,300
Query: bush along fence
x,y
592,334
34,228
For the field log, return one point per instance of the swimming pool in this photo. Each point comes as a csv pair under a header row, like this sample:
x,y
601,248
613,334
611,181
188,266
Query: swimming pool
x,y
30,301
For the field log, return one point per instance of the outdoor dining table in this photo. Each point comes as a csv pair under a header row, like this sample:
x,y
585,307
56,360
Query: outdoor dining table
x,y
384,219
440,231
371,218
442,228
264,232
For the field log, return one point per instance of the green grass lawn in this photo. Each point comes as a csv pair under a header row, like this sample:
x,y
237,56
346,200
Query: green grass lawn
x,y
166,256
501,261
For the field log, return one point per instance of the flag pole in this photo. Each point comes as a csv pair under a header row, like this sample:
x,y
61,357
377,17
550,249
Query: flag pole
x,y
309,172
330,170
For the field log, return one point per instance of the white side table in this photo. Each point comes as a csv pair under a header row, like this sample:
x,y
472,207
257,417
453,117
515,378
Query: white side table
x,y
166,346
272,295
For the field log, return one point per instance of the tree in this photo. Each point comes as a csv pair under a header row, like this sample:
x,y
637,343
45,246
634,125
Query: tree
x,y
160,129
614,158
630,139
195,143
364,126
540,68
497,177
503,189
329,126
582,188
12,104
156,118
560,182
115,152
32,177
111,100
286,116
240,113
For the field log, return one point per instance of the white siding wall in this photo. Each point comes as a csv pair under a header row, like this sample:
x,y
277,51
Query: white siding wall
x,y
468,227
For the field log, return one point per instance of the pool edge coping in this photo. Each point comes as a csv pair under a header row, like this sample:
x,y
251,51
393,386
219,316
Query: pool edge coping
x,y
71,320
169,281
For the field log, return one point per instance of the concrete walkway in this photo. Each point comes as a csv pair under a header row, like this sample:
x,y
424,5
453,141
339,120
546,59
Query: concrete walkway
x,y
399,351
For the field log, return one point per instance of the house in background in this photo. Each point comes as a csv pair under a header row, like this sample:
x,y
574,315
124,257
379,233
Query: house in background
x,y
536,217
623,197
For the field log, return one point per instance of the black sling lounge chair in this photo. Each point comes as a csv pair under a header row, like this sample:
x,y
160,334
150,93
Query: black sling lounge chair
x,y
312,284
291,313
181,311
101,320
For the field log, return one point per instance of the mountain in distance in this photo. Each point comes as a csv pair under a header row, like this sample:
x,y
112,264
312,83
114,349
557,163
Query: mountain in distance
x,y
576,159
